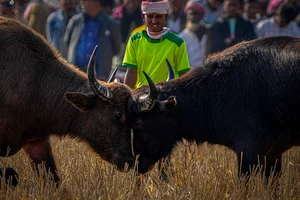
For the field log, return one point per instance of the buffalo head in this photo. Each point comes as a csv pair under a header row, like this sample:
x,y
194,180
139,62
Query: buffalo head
x,y
103,116
152,119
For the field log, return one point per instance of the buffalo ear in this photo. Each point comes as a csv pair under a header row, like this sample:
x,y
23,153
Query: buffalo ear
x,y
167,104
81,101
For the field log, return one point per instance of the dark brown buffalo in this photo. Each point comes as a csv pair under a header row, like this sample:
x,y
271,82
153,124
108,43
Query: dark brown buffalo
x,y
34,80
247,98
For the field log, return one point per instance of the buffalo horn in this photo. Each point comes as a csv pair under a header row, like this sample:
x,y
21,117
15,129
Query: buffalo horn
x,y
112,77
147,102
170,70
96,87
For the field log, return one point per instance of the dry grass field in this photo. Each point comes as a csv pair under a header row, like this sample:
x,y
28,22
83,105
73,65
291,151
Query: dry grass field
x,y
203,172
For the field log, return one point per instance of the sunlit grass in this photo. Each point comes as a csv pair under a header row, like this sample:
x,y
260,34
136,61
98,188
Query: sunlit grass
x,y
203,172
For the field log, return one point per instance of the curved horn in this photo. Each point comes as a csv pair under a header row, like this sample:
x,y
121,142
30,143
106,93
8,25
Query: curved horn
x,y
112,76
147,102
171,74
96,87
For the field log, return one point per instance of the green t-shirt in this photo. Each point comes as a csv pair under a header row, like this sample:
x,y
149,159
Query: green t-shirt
x,y
146,54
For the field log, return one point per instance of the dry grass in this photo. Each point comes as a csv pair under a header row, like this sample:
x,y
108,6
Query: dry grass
x,y
204,172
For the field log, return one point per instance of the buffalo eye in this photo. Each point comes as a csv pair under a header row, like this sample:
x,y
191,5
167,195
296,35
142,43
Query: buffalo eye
x,y
118,116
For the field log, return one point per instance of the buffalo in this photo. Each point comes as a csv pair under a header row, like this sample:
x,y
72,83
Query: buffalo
x,y
42,95
246,98
10,176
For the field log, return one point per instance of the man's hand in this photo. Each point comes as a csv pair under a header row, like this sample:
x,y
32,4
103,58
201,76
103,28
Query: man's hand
x,y
130,77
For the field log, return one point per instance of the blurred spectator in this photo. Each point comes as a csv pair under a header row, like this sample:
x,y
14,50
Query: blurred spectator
x,y
297,20
130,16
118,3
36,15
176,19
20,6
54,5
8,9
57,22
213,10
109,7
273,6
195,34
231,28
252,12
88,29
281,24
264,5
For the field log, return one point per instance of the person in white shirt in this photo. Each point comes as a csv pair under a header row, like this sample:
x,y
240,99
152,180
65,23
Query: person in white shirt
x,y
195,34
281,24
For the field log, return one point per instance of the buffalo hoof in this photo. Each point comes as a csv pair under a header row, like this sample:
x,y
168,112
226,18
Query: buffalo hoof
x,y
11,176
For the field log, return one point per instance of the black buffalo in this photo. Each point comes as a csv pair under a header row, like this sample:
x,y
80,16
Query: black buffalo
x,y
247,98
9,175
34,81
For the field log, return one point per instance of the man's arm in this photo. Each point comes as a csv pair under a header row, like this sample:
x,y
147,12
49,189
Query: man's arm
x,y
130,77
182,64
67,38
182,74
49,28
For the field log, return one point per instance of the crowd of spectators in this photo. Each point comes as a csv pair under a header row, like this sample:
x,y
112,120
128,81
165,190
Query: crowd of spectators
x,y
74,27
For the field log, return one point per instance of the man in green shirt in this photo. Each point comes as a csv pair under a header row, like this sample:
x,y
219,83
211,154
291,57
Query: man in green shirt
x,y
148,50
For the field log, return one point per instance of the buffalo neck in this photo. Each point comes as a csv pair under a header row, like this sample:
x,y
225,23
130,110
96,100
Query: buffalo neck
x,y
54,114
192,108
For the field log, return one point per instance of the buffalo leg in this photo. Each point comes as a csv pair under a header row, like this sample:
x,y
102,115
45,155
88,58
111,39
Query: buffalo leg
x,y
250,153
274,166
163,165
246,164
10,175
40,152
10,141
